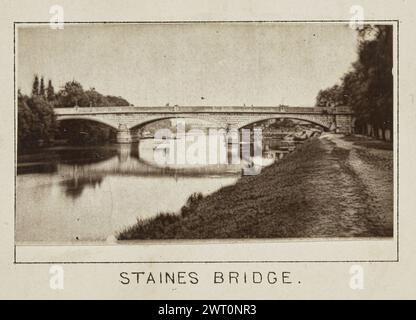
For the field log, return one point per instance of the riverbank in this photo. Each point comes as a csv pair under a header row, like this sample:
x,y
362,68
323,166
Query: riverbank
x,y
332,186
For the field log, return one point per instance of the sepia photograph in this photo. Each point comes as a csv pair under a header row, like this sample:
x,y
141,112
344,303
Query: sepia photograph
x,y
130,133
202,156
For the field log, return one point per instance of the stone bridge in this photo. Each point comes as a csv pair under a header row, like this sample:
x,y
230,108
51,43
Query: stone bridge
x,y
129,120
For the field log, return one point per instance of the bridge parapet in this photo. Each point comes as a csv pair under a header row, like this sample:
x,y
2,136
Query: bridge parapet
x,y
203,109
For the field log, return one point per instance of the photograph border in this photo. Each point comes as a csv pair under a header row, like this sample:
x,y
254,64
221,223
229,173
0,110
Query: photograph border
x,y
395,135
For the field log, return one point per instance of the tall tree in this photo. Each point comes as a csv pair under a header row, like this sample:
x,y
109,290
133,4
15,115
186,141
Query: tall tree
x,y
368,87
35,86
50,91
42,87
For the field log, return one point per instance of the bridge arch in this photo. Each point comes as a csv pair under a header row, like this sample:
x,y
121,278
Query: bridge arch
x,y
320,122
142,123
91,118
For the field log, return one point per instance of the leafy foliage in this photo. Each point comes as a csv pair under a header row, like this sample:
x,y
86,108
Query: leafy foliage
x,y
368,86
37,122
331,97
50,92
35,86
73,94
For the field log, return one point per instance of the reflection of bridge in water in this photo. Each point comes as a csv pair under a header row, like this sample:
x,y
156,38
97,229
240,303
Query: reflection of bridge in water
x,y
129,162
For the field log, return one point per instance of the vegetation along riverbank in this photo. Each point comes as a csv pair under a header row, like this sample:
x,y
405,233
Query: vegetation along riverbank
x,y
332,186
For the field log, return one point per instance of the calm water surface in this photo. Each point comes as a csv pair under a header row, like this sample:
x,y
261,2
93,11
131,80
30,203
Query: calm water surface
x,y
83,194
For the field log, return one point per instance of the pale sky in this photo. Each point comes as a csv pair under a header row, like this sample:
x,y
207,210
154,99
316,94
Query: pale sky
x,y
260,64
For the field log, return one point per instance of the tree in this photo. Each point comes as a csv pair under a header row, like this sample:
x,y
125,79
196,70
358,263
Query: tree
x,y
36,121
117,101
368,86
71,95
50,91
96,99
24,122
35,86
330,97
44,123
42,87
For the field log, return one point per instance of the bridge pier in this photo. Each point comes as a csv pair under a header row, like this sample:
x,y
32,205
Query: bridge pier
x,y
344,124
123,134
126,135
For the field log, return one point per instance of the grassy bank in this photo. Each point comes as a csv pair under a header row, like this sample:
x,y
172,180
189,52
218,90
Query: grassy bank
x,y
313,192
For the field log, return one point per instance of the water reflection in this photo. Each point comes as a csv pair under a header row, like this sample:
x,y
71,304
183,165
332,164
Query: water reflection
x,y
73,187
90,193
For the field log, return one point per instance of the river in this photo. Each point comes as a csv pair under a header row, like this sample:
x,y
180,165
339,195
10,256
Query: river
x,y
89,194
